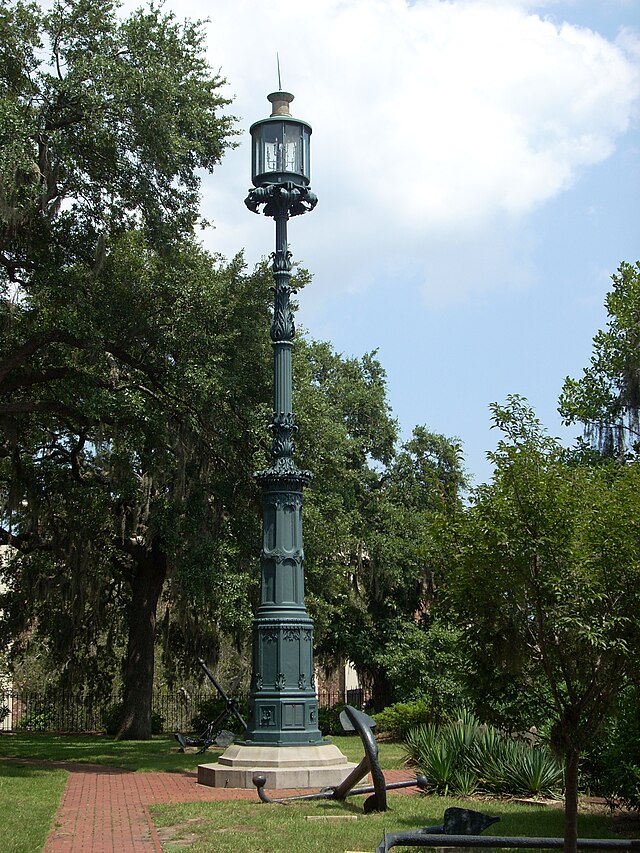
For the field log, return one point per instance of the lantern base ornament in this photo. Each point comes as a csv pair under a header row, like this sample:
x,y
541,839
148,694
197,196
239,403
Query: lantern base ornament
x,y
286,199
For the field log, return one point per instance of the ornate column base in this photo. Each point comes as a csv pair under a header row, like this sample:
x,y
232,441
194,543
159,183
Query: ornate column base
x,y
284,766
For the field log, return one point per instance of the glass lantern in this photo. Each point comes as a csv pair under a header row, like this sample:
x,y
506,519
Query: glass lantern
x,y
280,146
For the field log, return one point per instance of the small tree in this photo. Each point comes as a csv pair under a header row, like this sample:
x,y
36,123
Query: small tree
x,y
547,586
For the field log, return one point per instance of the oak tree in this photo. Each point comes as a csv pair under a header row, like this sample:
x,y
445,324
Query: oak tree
x,y
111,316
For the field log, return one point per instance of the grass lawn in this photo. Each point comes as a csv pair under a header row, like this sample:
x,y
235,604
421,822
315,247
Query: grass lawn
x,y
157,754
320,827
29,797
29,794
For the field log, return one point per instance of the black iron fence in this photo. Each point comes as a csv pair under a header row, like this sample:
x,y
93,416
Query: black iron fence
x,y
63,711
357,697
67,711
49,711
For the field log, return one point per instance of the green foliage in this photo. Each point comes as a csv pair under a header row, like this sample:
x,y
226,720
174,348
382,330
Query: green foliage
x,y
532,770
398,719
329,719
208,710
114,418
612,763
462,756
41,720
425,661
135,385
115,115
386,553
112,719
546,585
546,579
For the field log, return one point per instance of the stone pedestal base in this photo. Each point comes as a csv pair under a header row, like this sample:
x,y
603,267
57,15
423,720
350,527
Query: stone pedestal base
x,y
284,766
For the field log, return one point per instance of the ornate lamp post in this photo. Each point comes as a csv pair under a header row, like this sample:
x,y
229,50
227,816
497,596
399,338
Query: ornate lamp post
x,y
283,706
283,742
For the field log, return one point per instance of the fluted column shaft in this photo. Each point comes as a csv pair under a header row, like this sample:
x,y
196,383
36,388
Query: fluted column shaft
x,y
283,705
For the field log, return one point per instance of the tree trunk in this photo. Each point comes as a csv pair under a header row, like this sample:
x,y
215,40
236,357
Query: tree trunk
x,y
149,578
571,801
382,691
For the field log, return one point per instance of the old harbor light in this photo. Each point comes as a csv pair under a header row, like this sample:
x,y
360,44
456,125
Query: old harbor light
x,y
283,706
283,742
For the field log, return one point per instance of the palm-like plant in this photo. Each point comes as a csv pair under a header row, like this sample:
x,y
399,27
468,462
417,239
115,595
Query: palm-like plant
x,y
463,756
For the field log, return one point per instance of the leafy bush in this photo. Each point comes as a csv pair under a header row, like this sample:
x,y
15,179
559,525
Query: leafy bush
x,y
208,710
463,756
612,765
627,785
329,720
426,663
532,770
398,720
41,720
112,719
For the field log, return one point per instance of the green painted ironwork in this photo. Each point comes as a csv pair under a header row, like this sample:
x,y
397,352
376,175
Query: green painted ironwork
x,y
283,704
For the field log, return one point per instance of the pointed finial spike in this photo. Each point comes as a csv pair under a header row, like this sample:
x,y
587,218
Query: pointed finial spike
x,y
279,81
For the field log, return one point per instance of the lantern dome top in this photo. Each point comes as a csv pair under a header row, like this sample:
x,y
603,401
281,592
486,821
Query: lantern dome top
x,y
280,103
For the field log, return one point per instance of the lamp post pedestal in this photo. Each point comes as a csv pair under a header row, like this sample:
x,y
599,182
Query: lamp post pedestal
x,y
283,740
285,767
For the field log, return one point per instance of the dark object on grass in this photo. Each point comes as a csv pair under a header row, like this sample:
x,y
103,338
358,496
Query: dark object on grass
x,y
462,822
212,733
456,823
352,720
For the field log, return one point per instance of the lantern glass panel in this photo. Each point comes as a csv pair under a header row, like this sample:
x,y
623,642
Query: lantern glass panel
x,y
292,149
281,148
306,157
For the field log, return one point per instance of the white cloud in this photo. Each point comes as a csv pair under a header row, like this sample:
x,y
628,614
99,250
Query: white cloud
x,y
429,118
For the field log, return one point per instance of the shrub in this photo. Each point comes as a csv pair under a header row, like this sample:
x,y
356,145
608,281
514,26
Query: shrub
x,y
462,756
208,710
612,765
112,719
329,720
398,720
533,770
426,663
436,756
38,721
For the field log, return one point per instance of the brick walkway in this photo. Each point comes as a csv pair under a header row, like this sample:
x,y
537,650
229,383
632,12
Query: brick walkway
x,y
105,810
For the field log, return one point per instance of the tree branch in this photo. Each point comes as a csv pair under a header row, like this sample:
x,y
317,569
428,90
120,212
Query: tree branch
x,y
26,543
51,374
27,407
32,346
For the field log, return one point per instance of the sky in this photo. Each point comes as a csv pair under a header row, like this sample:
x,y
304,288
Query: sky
x,y
478,174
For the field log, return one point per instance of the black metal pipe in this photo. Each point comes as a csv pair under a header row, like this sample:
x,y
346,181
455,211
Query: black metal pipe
x,y
422,839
